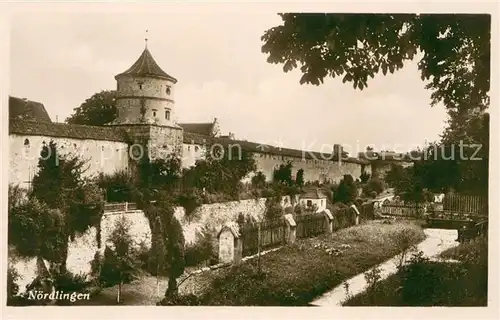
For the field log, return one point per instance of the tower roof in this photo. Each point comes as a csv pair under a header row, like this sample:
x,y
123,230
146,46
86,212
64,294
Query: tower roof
x,y
146,66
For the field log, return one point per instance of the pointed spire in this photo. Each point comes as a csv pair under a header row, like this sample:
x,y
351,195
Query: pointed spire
x,y
146,39
146,66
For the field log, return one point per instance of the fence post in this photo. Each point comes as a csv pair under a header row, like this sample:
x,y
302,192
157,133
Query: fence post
x,y
356,212
290,228
126,206
329,221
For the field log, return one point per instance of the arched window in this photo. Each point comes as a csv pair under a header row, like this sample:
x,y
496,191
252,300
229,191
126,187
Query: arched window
x,y
167,114
168,90
26,142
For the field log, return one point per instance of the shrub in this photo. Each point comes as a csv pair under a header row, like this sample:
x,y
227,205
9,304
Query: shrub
x,y
259,180
373,185
12,286
119,187
69,282
142,253
190,200
273,208
180,300
202,250
364,177
283,175
299,179
346,191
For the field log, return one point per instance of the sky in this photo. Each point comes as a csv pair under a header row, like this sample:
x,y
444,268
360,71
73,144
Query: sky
x,y
61,59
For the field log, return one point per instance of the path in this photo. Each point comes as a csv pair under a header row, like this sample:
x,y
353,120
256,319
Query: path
x,y
437,241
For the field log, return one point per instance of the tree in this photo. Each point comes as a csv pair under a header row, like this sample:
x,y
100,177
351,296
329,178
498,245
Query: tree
x,y
221,170
168,235
394,175
346,191
120,264
35,230
283,174
59,184
259,180
97,110
299,179
364,177
455,61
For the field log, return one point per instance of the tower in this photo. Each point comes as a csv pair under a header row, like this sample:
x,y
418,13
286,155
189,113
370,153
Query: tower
x,y
145,107
145,93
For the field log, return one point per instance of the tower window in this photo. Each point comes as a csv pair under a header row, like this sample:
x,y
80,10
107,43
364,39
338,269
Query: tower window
x,y
154,113
167,114
140,86
168,90
26,143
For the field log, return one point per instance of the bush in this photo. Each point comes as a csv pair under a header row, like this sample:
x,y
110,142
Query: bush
x,y
12,286
364,177
190,200
119,187
374,185
299,179
69,282
346,191
180,300
201,251
259,180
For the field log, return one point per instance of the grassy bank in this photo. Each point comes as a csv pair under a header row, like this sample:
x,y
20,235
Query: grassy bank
x,y
426,283
297,274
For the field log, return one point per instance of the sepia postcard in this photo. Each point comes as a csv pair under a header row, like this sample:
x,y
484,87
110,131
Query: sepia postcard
x,y
176,156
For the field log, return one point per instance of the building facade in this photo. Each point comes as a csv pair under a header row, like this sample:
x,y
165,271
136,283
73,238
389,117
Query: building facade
x,y
146,123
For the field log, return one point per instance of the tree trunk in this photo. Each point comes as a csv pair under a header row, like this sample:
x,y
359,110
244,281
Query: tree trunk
x,y
172,289
119,295
258,249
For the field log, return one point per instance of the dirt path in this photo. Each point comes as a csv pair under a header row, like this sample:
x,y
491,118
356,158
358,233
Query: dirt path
x,y
437,241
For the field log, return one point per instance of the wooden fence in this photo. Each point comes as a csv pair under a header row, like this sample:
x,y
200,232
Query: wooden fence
x,y
403,210
272,235
471,205
310,225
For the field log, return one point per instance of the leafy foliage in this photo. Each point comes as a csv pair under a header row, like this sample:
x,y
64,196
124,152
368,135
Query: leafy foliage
x,y
373,185
161,173
299,180
259,180
12,286
364,177
394,175
119,187
119,264
283,174
60,185
168,241
202,249
346,191
455,48
97,110
36,230
221,171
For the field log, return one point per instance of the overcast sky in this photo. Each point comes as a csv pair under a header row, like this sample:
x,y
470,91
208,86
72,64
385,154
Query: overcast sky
x,y
60,59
